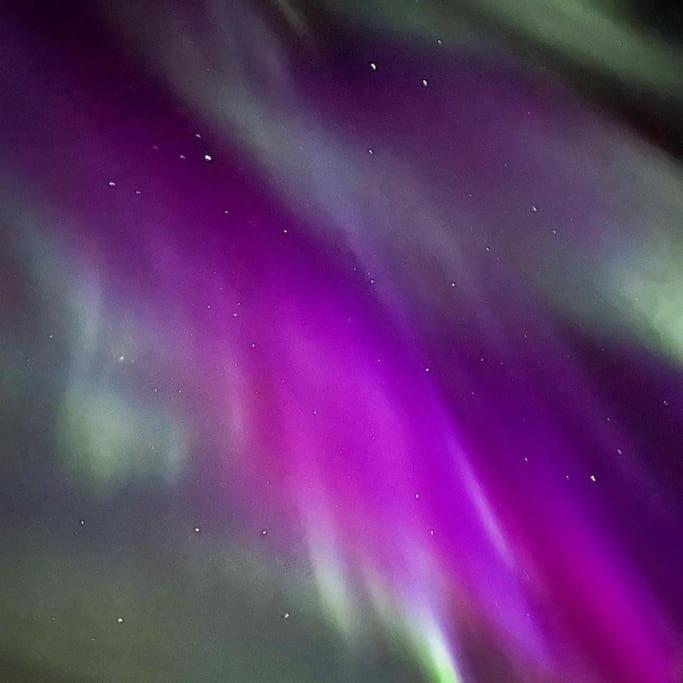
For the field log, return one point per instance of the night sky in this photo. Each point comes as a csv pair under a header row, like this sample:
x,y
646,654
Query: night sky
x,y
341,341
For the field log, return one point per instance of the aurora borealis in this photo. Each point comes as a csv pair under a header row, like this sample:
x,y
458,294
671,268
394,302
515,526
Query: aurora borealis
x,y
341,342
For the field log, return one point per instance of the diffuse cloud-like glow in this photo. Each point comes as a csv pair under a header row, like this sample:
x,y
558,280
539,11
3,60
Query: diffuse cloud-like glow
x,y
337,315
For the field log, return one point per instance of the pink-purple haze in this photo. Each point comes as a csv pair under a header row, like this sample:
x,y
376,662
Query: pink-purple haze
x,y
399,313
